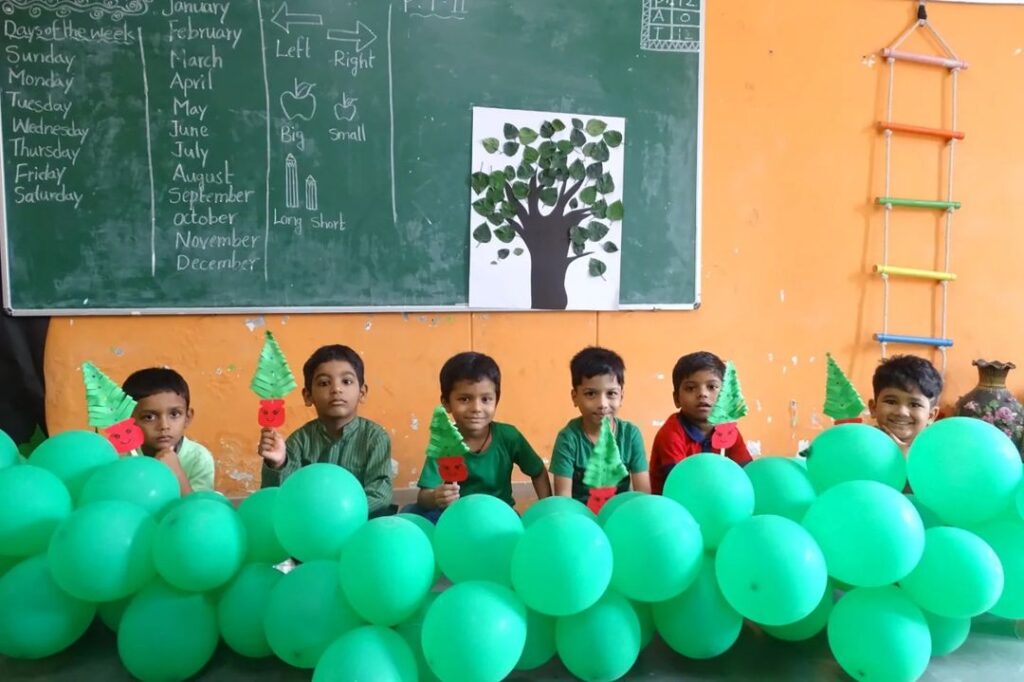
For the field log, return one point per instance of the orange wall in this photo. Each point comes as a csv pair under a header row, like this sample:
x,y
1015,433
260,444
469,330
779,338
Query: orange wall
x,y
791,163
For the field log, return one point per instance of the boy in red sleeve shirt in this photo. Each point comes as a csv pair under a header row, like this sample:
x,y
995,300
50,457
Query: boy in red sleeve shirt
x,y
696,381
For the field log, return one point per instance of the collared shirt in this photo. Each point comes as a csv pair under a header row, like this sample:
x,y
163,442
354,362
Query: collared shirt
x,y
573,450
678,439
197,463
363,448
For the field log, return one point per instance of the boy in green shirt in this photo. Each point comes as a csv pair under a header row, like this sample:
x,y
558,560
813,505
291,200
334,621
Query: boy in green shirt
x,y
333,384
598,378
470,390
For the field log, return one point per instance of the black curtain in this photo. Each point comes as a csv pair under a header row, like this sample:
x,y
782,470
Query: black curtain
x,y
22,385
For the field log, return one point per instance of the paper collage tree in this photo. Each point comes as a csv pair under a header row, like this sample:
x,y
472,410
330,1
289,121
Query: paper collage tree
x,y
272,381
447,447
604,468
110,410
842,402
729,408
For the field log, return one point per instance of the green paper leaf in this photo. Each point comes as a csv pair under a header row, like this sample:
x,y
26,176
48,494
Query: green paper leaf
x,y
595,127
502,254
605,184
605,467
596,268
599,209
549,196
495,219
511,132
530,154
546,130
578,234
609,247
558,125
577,123
600,152
445,439
612,138
616,211
483,207
547,149
482,233
496,180
597,231
578,248
106,403
588,195
490,144
577,137
577,171
564,146
510,148
517,251
273,377
595,170
505,234
520,190
527,135
730,405
479,182
510,173
525,171
507,210
495,194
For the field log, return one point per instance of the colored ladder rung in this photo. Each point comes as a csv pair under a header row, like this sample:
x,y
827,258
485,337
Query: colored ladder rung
x,y
917,340
921,130
915,272
930,60
917,203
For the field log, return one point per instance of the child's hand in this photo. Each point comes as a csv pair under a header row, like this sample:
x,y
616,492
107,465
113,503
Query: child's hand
x,y
272,448
446,495
169,457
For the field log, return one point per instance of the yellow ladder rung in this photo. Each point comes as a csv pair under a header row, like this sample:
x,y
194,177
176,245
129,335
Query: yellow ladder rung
x,y
915,272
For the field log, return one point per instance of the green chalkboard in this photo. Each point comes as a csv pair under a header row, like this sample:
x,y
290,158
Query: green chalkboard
x,y
173,155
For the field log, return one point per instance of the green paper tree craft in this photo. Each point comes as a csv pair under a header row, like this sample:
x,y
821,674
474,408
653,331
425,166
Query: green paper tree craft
x,y
842,402
604,468
272,381
110,410
729,408
448,447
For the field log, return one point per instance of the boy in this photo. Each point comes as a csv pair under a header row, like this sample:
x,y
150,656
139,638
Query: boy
x,y
696,382
470,391
598,378
907,390
333,383
163,413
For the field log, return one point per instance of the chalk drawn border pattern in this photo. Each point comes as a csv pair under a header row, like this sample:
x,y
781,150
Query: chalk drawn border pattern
x,y
683,25
97,9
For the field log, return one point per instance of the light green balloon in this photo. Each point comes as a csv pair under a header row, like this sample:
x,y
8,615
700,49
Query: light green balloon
x,y
958,576
370,652
104,551
1006,538
617,501
428,529
257,514
207,495
540,641
699,623
601,643
411,630
74,456
8,451
475,537
808,626
1019,499
657,547
475,631
387,568
307,612
8,562
111,612
870,534
877,633
771,570
562,564
781,487
948,634
316,511
33,502
143,481
556,504
242,608
929,518
646,617
166,634
199,545
714,490
965,469
37,618
855,452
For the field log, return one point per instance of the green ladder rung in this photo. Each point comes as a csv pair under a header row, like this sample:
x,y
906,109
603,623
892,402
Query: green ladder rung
x,y
917,203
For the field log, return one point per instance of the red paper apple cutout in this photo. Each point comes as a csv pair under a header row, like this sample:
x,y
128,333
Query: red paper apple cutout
x,y
452,469
125,435
271,413
725,436
599,497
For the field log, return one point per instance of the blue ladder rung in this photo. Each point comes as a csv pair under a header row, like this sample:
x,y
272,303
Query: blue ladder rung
x,y
917,340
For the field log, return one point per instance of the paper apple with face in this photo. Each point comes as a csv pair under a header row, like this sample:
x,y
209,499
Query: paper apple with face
x,y
452,469
125,435
725,436
271,413
599,497
299,102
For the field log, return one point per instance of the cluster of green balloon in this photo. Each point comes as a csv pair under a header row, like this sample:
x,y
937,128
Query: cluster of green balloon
x,y
317,509
782,487
699,623
716,492
855,452
370,652
475,538
74,456
601,642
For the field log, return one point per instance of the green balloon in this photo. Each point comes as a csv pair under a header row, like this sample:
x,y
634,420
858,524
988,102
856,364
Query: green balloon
x,y
699,623
111,612
540,641
167,634
474,631
958,576
657,548
370,652
199,546
877,633
870,534
143,481
601,643
8,451
771,570
808,626
948,634
307,611
37,618
475,537
411,630
929,518
715,490
781,487
1006,538
855,452
206,495
556,504
257,514
387,568
103,552
74,456
33,502
965,469
316,511
646,617
1019,499
562,565
428,529
617,501
8,562
242,608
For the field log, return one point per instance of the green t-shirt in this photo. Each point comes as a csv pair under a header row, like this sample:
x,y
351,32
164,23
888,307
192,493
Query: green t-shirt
x,y
490,472
573,449
197,463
